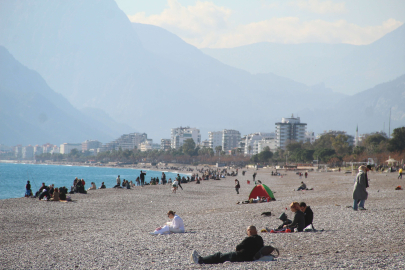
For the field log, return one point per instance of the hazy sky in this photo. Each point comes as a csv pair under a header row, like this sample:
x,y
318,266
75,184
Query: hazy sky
x,y
231,23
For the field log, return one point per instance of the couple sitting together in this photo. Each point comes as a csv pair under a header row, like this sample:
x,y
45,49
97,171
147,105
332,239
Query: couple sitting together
x,y
303,217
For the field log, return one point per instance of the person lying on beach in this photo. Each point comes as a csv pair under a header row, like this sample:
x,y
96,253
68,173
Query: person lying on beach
x,y
102,185
299,218
245,251
175,226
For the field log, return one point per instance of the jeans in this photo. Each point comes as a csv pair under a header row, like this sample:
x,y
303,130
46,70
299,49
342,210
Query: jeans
x,y
220,258
356,203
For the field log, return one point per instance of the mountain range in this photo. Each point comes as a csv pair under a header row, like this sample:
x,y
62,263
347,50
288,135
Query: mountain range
x,y
148,78
344,68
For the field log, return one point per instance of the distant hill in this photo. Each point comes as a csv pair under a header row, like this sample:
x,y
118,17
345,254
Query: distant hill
x,y
32,113
344,68
369,109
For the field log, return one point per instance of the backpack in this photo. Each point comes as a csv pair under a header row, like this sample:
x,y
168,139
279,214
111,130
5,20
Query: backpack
x,y
266,251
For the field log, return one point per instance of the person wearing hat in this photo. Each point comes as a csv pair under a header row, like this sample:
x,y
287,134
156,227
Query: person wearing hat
x,y
360,194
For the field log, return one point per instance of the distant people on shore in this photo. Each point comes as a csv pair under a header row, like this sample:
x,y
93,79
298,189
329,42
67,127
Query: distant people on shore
x,y
174,226
178,179
237,186
400,173
28,191
102,186
245,251
118,182
92,187
55,195
142,177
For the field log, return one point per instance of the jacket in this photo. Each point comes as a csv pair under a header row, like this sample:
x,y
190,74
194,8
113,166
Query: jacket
x,y
360,185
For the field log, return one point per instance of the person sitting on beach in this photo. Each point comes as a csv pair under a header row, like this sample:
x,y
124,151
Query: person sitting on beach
x,y
175,226
299,218
102,186
93,186
302,187
245,251
137,181
124,183
55,195
62,194
44,194
127,185
309,215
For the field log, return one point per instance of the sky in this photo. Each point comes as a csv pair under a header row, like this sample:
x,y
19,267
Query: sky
x,y
233,23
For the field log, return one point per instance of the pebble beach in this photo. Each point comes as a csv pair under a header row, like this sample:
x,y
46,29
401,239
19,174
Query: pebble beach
x,y
109,229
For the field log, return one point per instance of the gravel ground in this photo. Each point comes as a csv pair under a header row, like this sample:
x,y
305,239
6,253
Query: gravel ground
x,y
109,228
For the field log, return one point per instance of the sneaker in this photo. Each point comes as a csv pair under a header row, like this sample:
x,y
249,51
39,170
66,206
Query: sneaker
x,y
362,208
194,257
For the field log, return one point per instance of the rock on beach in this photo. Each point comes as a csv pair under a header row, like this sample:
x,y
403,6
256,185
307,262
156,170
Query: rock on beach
x,y
109,228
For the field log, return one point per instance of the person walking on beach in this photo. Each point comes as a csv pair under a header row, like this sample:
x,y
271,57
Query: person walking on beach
x,y
178,178
237,186
400,173
254,176
360,194
142,176
245,251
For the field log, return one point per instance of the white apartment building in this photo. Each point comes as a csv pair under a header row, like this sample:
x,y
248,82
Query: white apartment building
x,y
127,141
87,145
179,135
230,139
215,139
310,137
28,152
38,150
289,129
148,145
66,148
271,143
252,140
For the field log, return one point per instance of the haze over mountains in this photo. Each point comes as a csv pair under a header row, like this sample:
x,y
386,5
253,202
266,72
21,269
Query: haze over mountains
x,y
149,79
344,68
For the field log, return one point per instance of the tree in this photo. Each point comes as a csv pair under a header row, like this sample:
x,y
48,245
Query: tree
x,y
218,149
265,155
373,143
294,146
340,144
397,143
324,154
189,147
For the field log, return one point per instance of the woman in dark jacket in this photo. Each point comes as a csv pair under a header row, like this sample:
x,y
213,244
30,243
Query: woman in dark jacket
x,y
299,217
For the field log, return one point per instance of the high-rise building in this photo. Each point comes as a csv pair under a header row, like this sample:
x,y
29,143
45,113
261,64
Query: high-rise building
x,y
28,152
179,135
165,144
90,144
38,150
127,141
215,139
310,137
18,151
66,148
289,129
230,139
252,142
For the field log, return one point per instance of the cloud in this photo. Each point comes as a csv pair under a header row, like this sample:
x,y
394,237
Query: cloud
x,y
206,25
318,6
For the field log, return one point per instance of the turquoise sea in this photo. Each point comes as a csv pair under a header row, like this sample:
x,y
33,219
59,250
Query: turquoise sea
x,y
13,177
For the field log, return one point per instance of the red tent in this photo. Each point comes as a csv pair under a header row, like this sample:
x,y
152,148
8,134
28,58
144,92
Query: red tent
x,y
262,191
